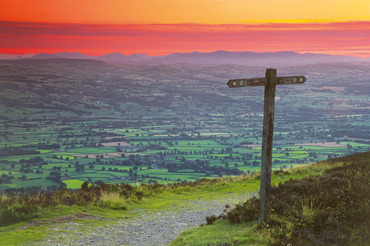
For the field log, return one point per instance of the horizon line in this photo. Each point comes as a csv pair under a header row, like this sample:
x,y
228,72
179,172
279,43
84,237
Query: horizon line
x,y
30,55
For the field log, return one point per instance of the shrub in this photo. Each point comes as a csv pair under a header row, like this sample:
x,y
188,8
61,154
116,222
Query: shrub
x,y
18,212
211,219
249,211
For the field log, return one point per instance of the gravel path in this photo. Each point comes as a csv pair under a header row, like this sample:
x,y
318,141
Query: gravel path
x,y
148,228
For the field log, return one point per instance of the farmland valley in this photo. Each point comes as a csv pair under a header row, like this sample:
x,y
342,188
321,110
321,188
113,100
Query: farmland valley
x,y
64,122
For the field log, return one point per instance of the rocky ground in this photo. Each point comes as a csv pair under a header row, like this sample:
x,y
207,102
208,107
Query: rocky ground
x,y
147,227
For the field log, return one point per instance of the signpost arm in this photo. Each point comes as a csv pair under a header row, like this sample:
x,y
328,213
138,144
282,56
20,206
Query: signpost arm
x,y
267,138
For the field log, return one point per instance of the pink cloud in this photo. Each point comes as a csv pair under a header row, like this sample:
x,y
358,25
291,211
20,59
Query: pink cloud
x,y
156,39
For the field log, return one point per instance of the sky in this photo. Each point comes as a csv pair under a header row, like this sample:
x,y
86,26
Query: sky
x,y
160,27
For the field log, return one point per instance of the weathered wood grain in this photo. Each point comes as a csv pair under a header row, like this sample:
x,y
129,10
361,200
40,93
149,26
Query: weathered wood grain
x,y
235,83
269,81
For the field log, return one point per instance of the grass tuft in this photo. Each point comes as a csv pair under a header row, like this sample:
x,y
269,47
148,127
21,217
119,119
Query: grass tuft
x,y
113,200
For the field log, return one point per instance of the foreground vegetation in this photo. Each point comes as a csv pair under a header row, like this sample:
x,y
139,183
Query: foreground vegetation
x,y
120,200
329,209
22,207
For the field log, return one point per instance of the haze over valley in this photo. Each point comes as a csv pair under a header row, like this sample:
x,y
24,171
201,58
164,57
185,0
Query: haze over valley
x,y
66,121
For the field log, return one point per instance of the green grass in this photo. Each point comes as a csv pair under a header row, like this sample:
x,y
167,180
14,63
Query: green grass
x,y
27,236
231,235
115,207
73,183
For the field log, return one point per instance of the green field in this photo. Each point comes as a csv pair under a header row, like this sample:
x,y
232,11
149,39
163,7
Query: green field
x,y
73,183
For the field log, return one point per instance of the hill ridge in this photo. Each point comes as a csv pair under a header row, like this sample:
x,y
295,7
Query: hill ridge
x,y
217,57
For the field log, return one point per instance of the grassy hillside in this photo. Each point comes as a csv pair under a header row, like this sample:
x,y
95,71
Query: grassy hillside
x,y
109,202
327,209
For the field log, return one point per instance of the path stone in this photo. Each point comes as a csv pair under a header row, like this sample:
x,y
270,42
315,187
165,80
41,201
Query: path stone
x,y
149,228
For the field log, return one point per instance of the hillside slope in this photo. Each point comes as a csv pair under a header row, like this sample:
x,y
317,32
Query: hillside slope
x,y
162,213
328,209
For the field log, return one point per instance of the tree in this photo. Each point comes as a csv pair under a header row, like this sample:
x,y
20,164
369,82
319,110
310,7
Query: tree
x,y
85,185
55,176
349,147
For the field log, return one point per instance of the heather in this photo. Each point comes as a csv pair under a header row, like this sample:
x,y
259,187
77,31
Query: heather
x,y
328,209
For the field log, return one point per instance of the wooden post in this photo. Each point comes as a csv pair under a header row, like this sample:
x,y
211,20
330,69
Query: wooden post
x,y
269,81
267,138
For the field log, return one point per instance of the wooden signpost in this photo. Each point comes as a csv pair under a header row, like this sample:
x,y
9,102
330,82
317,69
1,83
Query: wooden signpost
x,y
270,81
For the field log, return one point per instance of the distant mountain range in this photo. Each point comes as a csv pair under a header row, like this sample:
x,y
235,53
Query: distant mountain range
x,y
213,58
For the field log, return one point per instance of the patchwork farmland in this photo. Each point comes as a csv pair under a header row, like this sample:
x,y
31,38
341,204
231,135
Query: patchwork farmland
x,y
63,122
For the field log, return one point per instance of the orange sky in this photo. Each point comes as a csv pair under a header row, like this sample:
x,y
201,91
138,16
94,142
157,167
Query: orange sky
x,y
163,26
182,11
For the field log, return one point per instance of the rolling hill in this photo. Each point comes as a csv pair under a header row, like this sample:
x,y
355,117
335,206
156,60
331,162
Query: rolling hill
x,y
214,58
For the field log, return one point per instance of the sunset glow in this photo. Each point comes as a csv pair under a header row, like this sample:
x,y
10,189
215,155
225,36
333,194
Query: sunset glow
x,y
160,27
